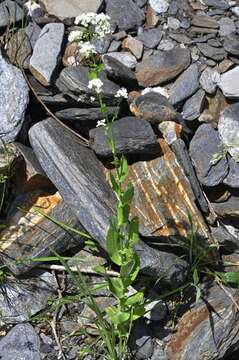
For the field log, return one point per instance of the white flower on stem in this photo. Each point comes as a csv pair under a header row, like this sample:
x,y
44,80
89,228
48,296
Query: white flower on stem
x,y
31,6
87,49
75,35
122,93
101,123
96,84
92,99
86,19
99,22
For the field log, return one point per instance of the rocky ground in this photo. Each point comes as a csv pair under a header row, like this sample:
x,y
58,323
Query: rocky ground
x,y
179,129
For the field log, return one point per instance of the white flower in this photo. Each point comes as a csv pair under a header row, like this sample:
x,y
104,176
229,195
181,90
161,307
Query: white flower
x,y
87,49
86,19
92,98
122,93
101,123
31,6
99,22
75,35
96,84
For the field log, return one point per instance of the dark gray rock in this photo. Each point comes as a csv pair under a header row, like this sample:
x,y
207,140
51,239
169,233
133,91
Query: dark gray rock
x,y
162,66
124,13
194,106
186,85
118,72
232,178
21,299
13,101
73,82
84,117
125,58
205,144
209,330
141,341
22,342
218,4
211,52
33,31
46,53
133,137
10,13
231,44
150,38
79,176
228,128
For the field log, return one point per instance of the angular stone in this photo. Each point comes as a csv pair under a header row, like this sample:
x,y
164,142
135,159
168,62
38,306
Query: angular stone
x,y
161,189
227,26
154,108
21,299
205,144
28,235
232,178
185,85
209,80
84,187
13,101
173,23
46,53
63,9
202,30
133,45
126,58
231,44
166,45
125,14
119,72
228,208
211,52
209,330
204,21
133,137
218,4
33,31
170,130
84,118
181,38
19,49
152,18
229,83
21,342
141,341
160,6
194,106
74,80
10,13
162,67
228,128
150,38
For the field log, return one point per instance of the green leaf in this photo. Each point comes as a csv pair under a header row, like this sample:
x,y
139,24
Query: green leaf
x,y
130,270
133,231
134,299
113,245
116,315
92,75
139,311
100,269
114,184
128,194
123,214
123,168
230,277
117,287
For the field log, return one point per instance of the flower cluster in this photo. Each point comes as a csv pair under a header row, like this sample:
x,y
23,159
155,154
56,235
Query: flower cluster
x,y
122,93
96,85
101,123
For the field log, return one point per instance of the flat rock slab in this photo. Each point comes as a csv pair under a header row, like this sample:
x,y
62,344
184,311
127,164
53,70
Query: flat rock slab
x,y
46,53
80,178
14,98
205,144
164,197
133,137
211,52
119,72
228,128
125,58
228,208
163,66
229,83
209,330
30,235
185,85
63,9
22,342
125,14
194,106
231,44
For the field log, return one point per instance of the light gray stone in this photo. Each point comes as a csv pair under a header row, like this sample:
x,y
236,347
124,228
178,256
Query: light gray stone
x,y
10,13
126,58
160,6
14,99
209,80
229,83
227,26
46,53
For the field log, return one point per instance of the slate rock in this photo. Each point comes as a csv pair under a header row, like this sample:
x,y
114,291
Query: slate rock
x,y
73,82
231,44
46,53
125,58
19,49
141,341
84,117
133,137
160,6
63,9
124,13
21,342
209,80
229,83
13,100
228,208
135,46
84,188
154,108
21,299
194,106
209,330
227,26
228,128
206,143
232,178
10,13
218,4
119,72
185,85
162,66
33,31
150,38
211,52
204,21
